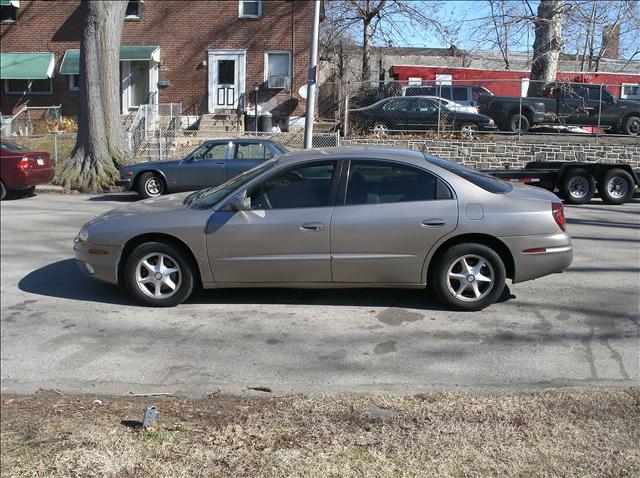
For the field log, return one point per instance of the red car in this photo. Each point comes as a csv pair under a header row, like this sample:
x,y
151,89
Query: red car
x,y
21,169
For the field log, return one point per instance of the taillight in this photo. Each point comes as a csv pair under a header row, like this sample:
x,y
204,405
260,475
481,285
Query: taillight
x,y
24,164
557,209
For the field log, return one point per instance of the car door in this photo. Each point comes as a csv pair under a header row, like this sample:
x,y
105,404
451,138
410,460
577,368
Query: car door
x,y
386,220
283,235
204,167
245,156
397,113
424,114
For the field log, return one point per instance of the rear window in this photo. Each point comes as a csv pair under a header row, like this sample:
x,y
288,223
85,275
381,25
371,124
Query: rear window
x,y
10,146
485,181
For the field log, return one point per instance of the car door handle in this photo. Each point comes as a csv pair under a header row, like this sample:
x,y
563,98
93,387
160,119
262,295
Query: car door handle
x,y
312,226
220,163
433,222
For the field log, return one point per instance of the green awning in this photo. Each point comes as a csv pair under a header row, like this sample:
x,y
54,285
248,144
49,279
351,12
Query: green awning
x,y
10,3
71,61
26,66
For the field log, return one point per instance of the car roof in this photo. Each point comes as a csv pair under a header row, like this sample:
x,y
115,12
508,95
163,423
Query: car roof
x,y
352,152
240,140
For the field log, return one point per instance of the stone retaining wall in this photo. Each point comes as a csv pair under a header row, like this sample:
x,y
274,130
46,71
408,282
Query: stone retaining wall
x,y
512,154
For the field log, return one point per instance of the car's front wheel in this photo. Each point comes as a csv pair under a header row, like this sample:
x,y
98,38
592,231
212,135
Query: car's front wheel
x,y
159,274
151,185
468,277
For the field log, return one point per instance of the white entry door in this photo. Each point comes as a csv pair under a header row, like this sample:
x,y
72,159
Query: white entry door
x,y
226,79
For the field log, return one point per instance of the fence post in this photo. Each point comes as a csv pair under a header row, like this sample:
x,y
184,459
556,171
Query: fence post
x,y
600,109
345,126
439,109
55,149
160,148
520,109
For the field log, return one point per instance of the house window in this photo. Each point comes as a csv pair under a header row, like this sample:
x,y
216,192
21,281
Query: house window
x,y
250,9
278,69
134,8
74,82
22,87
8,14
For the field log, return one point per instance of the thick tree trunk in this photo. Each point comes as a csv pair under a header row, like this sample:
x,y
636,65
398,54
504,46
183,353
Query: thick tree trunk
x,y
546,46
366,50
100,145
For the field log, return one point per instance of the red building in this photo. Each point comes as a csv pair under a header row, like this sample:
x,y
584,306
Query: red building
x,y
207,55
512,83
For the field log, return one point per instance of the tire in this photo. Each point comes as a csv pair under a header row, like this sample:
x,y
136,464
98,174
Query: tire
x,y
158,292
151,185
631,126
519,123
468,129
381,129
616,186
26,193
577,186
477,294
3,191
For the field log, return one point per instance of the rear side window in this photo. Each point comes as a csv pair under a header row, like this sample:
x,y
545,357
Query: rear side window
x,y
253,151
482,180
460,93
419,91
380,182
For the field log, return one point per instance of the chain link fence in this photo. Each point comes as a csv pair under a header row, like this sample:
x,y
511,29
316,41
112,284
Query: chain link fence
x,y
480,107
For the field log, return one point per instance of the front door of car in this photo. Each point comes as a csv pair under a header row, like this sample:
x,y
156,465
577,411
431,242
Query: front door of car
x,y
282,235
392,215
424,114
245,156
396,113
206,166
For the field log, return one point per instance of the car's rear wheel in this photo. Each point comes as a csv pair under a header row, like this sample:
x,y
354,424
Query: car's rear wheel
x,y
616,186
159,274
3,191
468,277
151,185
380,129
519,123
577,186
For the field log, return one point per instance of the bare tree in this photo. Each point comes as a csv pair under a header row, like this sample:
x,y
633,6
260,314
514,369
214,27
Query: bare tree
x,y
100,145
388,21
547,45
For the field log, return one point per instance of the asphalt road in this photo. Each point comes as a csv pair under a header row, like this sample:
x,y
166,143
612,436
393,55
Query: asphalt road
x,y
63,331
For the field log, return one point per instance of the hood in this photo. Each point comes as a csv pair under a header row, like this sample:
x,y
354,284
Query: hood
x,y
162,204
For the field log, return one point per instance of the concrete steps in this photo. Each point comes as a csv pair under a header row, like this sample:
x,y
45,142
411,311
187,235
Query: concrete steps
x,y
221,122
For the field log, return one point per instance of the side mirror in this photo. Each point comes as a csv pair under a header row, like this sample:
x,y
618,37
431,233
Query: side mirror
x,y
239,203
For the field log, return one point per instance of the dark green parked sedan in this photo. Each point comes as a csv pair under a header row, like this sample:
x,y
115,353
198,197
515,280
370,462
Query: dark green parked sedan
x,y
210,164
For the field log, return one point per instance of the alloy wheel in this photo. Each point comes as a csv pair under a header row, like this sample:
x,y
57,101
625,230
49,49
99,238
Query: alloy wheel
x,y
154,186
578,187
158,275
617,187
470,278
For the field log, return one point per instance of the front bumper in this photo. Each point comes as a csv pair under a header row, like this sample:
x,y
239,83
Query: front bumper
x,y
557,255
98,261
127,183
487,127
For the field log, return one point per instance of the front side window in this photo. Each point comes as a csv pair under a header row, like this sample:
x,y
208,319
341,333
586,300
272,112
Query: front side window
x,y
210,151
403,105
250,8
303,186
278,69
133,10
380,182
253,151
21,87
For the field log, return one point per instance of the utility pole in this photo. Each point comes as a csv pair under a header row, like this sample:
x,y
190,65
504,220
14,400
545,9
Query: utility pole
x,y
313,76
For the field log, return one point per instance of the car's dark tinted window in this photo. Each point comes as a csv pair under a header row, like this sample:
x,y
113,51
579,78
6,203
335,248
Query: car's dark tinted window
x,y
460,93
419,91
11,147
485,181
303,186
402,104
378,182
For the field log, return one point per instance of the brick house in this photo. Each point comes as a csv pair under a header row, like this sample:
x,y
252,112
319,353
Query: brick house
x,y
208,55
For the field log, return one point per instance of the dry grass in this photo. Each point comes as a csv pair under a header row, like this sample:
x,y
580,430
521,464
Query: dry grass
x,y
555,433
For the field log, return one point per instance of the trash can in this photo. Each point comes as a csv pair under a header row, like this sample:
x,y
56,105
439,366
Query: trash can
x,y
250,121
266,121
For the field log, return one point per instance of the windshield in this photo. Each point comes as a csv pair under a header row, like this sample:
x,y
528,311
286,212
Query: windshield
x,y
485,181
208,197
12,146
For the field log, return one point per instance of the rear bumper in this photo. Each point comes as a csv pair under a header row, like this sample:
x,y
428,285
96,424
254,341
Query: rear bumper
x,y
126,183
102,266
26,179
549,254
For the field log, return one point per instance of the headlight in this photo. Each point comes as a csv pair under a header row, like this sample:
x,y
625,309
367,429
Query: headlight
x,y
83,235
491,121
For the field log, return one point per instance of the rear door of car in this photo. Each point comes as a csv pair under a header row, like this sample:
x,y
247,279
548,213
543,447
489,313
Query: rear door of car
x,y
387,217
247,155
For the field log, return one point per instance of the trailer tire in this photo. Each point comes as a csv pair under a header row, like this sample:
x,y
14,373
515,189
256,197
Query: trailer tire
x,y
519,123
631,125
577,186
616,186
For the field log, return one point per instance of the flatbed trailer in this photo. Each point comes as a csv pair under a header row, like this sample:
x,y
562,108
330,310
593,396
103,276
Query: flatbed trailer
x,y
577,182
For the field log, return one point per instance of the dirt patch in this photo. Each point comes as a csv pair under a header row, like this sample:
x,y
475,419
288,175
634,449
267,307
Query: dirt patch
x,y
553,433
